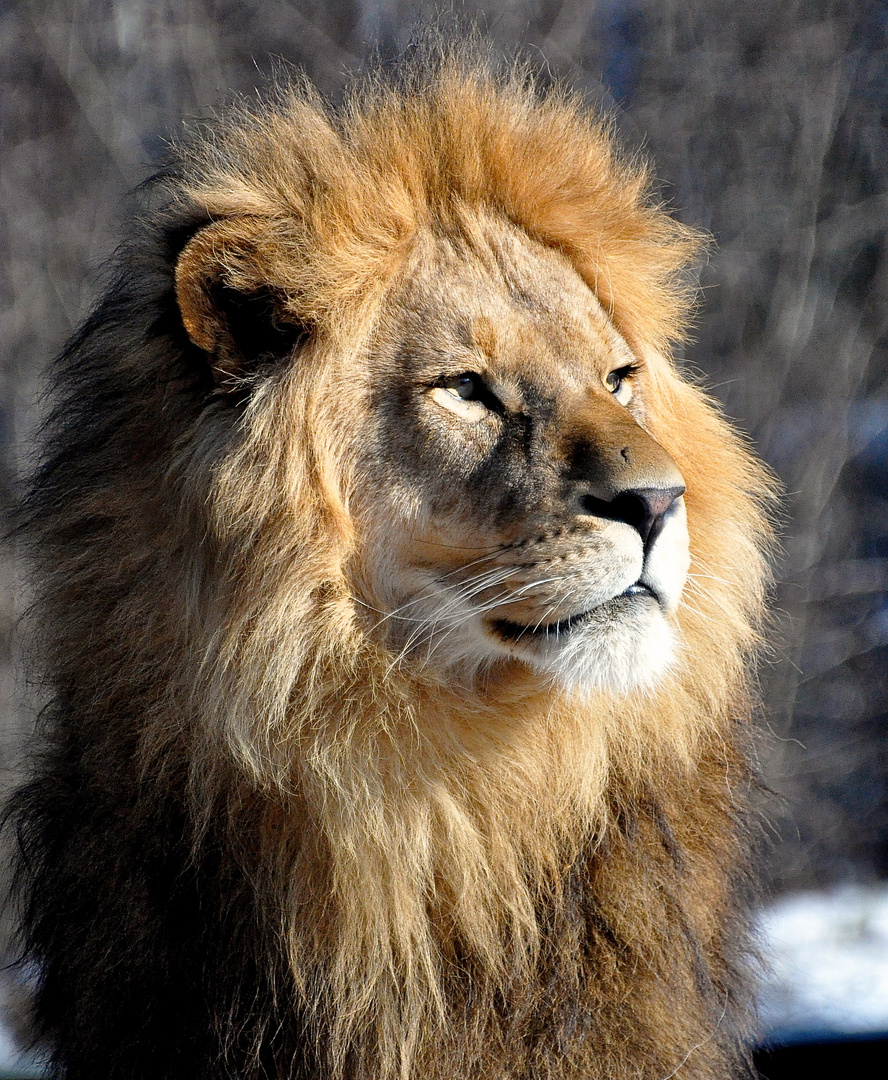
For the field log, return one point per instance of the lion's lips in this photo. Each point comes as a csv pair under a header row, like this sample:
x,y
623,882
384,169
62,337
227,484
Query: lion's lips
x,y
640,588
513,631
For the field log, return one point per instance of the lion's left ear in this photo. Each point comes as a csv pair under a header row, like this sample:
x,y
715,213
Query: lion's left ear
x,y
227,298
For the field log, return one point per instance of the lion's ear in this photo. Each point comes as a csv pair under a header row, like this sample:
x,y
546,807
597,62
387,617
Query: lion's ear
x,y
228,304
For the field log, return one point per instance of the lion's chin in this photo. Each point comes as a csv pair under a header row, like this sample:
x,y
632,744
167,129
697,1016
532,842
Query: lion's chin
x,y
623,645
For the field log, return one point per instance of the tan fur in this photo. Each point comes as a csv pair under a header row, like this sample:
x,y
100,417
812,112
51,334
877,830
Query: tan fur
x,y
411,832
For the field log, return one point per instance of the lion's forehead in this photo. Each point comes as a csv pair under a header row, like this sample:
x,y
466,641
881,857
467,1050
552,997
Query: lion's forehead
x,y
504,301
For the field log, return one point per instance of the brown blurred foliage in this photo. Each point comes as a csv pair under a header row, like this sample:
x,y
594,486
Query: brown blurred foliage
x,y
766,117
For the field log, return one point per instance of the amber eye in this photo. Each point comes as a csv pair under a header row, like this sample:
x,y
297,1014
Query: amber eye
x,y
467,386
619,382
467,395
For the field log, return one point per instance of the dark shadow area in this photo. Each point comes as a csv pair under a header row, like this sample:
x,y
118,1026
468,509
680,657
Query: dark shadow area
x,y
852,1057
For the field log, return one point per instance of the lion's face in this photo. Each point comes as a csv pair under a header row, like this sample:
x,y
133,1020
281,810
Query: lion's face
x,y
511,504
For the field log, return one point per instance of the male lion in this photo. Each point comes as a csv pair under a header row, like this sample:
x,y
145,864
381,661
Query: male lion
x,y
397,728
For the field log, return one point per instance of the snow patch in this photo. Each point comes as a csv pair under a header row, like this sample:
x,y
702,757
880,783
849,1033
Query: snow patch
x,y
826,955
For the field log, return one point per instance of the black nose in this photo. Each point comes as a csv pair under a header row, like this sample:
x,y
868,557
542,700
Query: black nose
x,y
643,508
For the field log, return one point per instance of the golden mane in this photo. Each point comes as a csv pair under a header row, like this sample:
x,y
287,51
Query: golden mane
x,y
341,193
500,880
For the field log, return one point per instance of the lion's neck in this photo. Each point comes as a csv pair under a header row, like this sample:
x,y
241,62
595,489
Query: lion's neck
x,y
447,832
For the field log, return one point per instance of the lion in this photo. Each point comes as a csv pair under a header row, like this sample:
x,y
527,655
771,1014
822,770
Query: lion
x,y
397,599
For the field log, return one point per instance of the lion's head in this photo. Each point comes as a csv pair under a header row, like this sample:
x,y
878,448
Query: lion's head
x,y
421,586
494,347
508,500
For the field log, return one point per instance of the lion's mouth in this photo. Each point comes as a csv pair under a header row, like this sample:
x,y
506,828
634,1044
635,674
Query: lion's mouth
x,y
513,631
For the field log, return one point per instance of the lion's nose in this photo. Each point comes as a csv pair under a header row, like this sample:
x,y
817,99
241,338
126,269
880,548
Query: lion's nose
x,y
643,508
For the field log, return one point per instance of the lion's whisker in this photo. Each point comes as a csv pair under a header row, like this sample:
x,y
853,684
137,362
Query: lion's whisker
x,y
457,618
693,575
701,614
396,613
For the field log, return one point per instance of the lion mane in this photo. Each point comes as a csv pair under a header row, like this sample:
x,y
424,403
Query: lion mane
x,y
262,838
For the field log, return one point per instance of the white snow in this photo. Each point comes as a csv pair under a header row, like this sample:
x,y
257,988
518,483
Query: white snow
x,y
827,959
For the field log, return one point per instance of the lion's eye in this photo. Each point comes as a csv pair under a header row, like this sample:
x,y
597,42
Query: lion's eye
x,y
467,395
619,382
467,386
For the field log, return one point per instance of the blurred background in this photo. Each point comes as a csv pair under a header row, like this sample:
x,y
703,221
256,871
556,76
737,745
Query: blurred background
x,y
768,123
